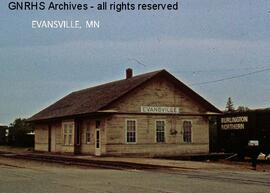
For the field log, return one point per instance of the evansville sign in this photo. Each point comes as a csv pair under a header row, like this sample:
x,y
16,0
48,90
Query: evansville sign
x,y
164,110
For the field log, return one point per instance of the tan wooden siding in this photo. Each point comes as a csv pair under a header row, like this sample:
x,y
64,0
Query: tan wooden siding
x,y
155,150
41,137
113,128
146,134
156,93
88,148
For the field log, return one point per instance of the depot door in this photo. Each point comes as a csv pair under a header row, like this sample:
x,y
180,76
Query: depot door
x,y
49,138
78,134
97,144
53,144
97,138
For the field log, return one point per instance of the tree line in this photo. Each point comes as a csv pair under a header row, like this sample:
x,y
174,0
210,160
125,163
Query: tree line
x,y
230,107
19,133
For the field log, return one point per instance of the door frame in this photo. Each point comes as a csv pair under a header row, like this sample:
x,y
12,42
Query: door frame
x,y
77,136
49,137
97,142
53,139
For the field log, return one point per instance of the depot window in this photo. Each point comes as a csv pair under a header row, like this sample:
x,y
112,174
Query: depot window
x,y
160,131
131,131
68,133
187,134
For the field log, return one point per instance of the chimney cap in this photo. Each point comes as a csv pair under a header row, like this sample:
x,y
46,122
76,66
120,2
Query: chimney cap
x,y
129,73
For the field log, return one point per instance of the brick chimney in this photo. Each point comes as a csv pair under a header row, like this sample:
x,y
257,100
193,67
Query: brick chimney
x,y
129,73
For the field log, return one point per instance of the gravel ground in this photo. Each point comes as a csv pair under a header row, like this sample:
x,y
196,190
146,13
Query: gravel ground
x,y
19,176
182,165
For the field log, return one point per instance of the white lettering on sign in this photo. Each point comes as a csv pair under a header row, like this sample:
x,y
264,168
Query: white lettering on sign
x,y
253,143
165,110
228,123
242,119
233,126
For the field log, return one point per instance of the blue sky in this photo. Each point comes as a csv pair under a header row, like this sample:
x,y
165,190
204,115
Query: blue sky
x,y
205,40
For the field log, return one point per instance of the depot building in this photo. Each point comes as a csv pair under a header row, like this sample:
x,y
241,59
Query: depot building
x,y
152,114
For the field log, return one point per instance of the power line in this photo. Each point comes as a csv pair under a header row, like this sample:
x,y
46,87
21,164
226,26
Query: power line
x,y
223,70
230,78
137,61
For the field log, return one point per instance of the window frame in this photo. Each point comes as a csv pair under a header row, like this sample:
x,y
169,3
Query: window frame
x,y
165,123
68,133
65,133
191,132
126,131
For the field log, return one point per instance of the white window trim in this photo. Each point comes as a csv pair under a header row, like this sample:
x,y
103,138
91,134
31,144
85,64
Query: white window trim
x,y
184,132
63,132
136,135
165,131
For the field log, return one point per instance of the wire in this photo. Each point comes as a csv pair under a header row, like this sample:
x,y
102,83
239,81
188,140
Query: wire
x,y
222,70
230,78
137,61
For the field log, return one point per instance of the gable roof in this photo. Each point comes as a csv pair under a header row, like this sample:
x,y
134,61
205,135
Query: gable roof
x,y
93,99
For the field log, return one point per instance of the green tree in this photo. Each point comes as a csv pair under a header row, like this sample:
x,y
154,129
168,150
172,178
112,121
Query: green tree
x,y
19,133
229,105
3,135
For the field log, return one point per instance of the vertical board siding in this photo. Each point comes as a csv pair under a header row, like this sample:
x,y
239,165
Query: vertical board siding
x,y
157,92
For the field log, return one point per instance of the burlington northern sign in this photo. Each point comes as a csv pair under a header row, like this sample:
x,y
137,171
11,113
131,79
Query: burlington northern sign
x,y
165,110
234,122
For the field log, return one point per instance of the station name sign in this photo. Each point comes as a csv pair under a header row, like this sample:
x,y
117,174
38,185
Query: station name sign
x,y
228,123
162,110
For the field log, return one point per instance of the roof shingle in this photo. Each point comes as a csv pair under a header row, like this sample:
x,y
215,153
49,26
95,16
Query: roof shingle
x,y
93,99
